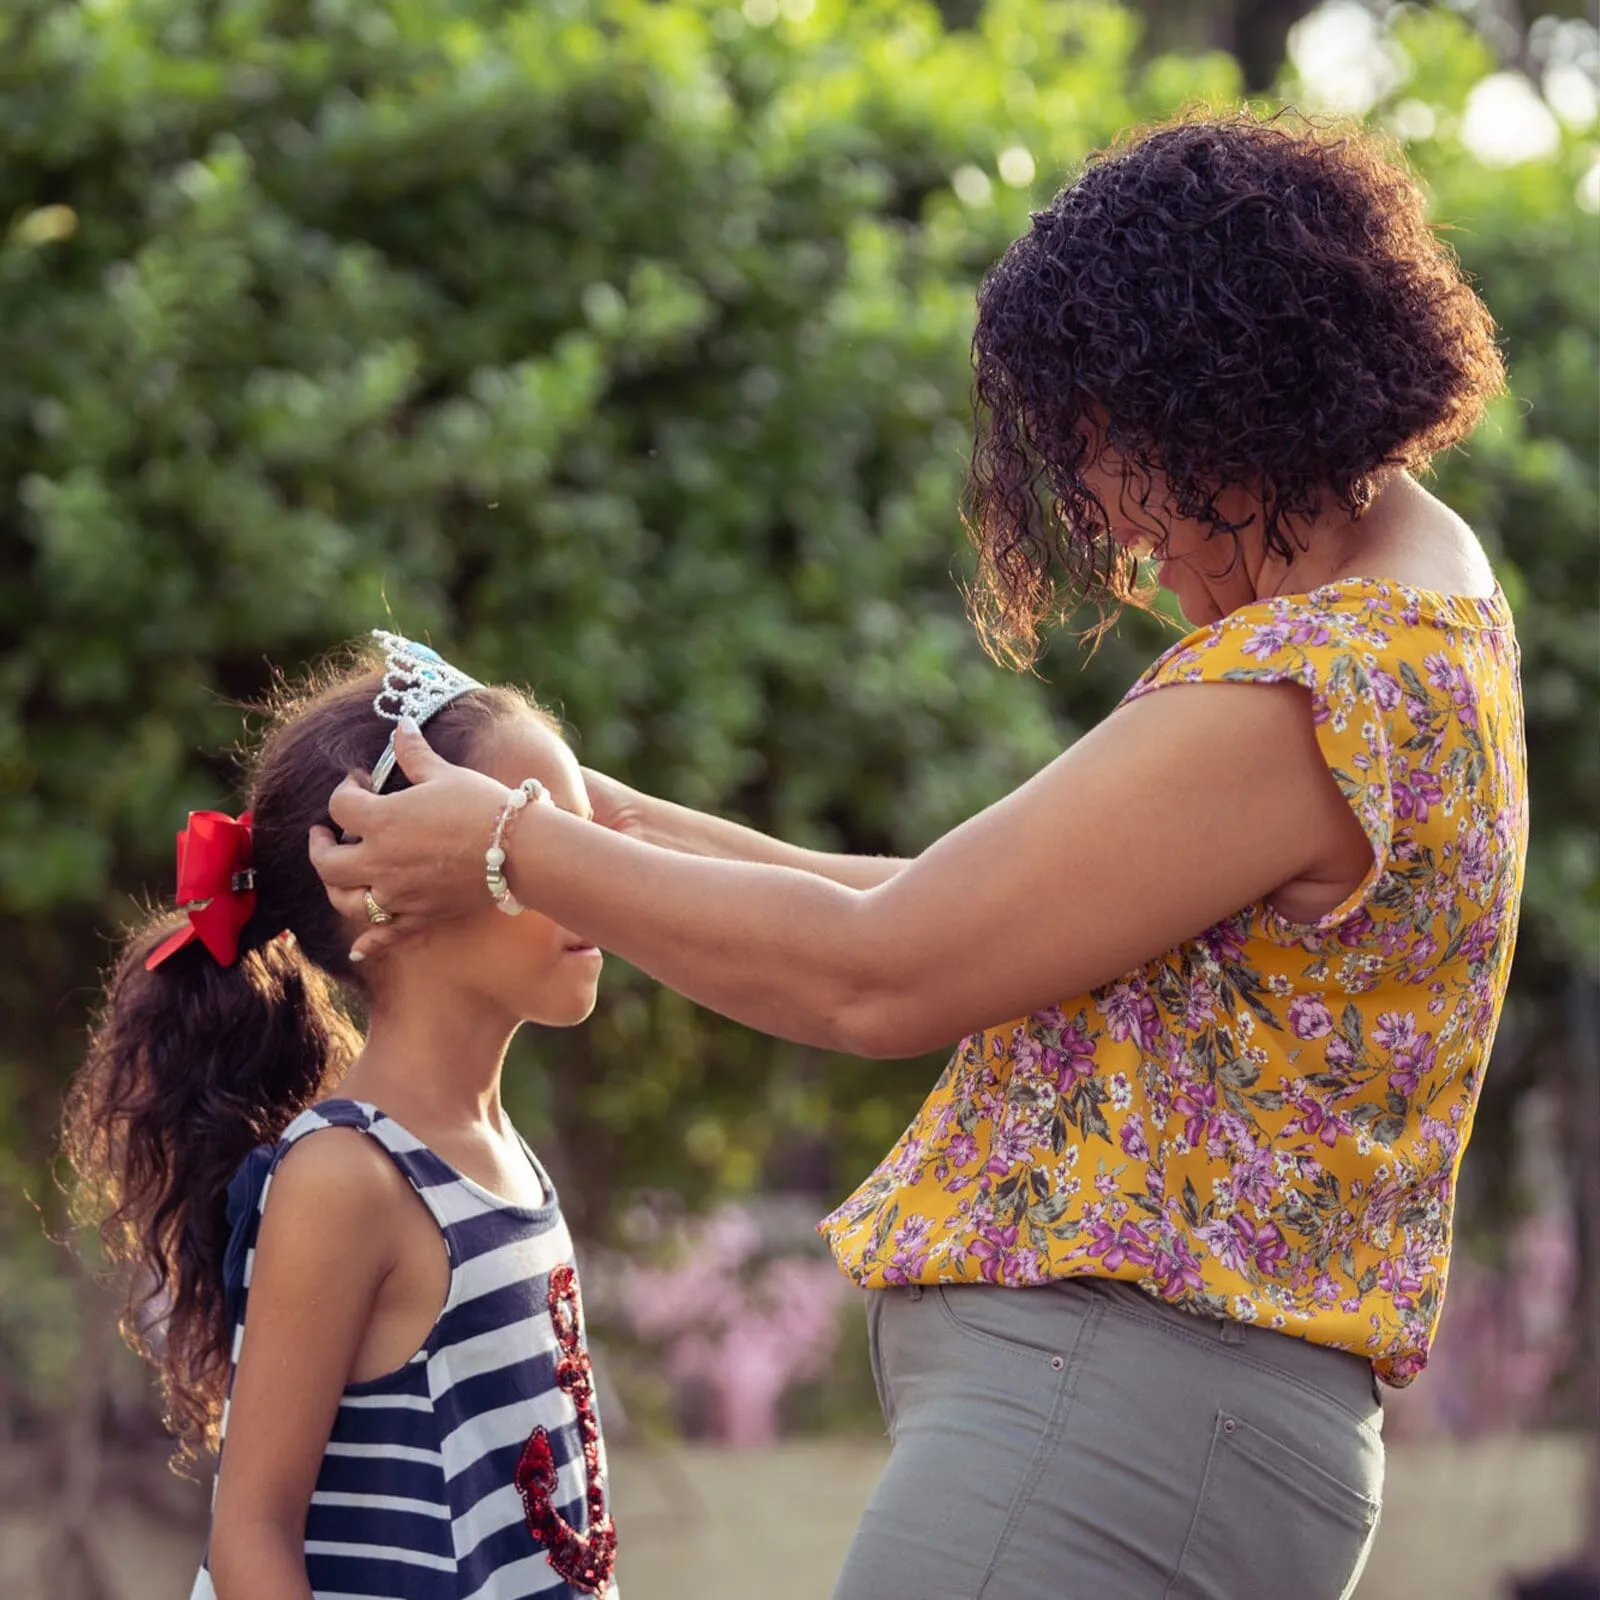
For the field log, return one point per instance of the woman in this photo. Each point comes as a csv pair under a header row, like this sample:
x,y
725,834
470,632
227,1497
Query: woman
x,y
1224,974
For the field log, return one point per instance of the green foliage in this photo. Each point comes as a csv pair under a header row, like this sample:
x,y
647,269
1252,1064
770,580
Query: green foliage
x,y
620,347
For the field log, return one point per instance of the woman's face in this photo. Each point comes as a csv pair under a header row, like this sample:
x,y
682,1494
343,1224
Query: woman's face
x,y
1203,573
532,967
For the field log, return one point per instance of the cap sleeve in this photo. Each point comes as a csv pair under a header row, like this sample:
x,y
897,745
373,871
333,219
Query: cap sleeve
x,y
1353,702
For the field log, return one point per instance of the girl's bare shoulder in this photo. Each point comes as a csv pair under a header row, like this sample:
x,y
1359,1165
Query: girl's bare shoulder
x,y
338,1185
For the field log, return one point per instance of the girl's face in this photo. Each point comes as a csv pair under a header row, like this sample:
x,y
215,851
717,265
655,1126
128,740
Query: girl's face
x,y
529,965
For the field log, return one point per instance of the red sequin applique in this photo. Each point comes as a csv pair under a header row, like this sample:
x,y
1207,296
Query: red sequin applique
x,y
585,1560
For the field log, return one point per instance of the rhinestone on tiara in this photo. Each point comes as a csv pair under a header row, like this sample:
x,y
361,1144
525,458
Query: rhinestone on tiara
x,y
417,683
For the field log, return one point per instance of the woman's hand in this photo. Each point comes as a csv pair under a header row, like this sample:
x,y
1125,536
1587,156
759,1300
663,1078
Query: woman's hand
x,y
615,805
420,852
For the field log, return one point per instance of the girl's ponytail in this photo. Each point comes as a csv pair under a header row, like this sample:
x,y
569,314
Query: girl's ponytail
x,y
191,1066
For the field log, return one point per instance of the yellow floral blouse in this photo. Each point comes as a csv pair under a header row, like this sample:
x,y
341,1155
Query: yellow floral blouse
x,y
1265,1122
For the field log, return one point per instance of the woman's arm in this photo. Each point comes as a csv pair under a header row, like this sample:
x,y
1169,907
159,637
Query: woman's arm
x,y
323,1251
694,833
1178,810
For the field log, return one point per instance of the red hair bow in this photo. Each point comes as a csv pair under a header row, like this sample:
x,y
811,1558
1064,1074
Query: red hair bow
x,y
216,886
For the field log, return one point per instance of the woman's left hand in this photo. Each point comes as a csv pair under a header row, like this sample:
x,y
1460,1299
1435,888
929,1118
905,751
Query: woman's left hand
x,y
419,852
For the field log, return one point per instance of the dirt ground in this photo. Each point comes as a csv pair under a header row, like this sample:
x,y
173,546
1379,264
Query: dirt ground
x,y
705,1524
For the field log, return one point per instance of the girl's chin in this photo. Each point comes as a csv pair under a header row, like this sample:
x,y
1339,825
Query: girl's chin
x,y
567,1011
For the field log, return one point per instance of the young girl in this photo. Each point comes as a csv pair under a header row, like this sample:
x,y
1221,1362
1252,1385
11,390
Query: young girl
x,y
372,1295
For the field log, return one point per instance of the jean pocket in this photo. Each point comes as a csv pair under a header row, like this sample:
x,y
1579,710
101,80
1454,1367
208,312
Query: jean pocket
x,y
1032,1323
1271,1523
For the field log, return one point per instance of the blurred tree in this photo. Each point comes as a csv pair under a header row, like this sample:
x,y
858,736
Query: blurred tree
x,y
620,346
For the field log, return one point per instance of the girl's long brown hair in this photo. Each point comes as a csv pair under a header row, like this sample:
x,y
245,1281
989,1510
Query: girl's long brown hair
x,y
191,1066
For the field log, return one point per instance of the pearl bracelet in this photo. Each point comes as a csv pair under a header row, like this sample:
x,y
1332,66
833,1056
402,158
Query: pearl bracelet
x,y
494,858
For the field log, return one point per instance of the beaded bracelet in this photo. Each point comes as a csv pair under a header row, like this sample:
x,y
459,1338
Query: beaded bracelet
x,y
494,858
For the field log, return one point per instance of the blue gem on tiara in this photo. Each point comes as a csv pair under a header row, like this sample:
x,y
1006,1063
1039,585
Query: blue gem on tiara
x,y
417,683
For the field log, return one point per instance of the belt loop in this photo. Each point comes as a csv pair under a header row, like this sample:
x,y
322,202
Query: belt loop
x,y
914,1292
1232,1332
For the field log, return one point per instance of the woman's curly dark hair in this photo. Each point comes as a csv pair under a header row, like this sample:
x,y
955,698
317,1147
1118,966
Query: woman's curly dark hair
x,y
1221,302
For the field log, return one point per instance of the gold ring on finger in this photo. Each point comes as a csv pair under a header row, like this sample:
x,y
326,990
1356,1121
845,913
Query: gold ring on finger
x,y
375,913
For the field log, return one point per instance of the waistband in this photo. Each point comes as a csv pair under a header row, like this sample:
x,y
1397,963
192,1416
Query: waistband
x,y
1340,1374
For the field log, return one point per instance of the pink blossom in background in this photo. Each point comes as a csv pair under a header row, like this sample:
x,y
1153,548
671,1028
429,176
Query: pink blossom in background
x,y
745,1328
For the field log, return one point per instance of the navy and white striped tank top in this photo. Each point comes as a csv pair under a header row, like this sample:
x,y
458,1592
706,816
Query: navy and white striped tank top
x,y
476,1470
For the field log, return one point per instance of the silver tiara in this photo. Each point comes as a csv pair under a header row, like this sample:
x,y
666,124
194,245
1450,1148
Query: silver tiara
x,y
417,683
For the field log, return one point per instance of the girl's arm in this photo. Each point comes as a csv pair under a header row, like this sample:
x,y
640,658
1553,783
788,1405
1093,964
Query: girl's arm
x,y
1178,810
694,833
324,1249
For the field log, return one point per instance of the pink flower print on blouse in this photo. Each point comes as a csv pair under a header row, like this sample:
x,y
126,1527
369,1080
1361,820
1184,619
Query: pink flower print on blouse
x,y
911,1246
1254,1175
1267,640
1309,1017
1264,1242
1196,1103
1309,633
1223,1241
1200,1005
1134,1144
1403,1279
961,1151
1114,1246
1069,1062
1130,1013
1415,794
1340,1054
1385,688
1013,1140
989,1249
1176,1268
1224,942
1412,1052
1482,939
1451,679
1002,1260
1394,1030
1473,861
1318,1119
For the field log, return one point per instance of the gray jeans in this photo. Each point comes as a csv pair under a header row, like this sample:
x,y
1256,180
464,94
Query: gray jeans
x,y
1085,1442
